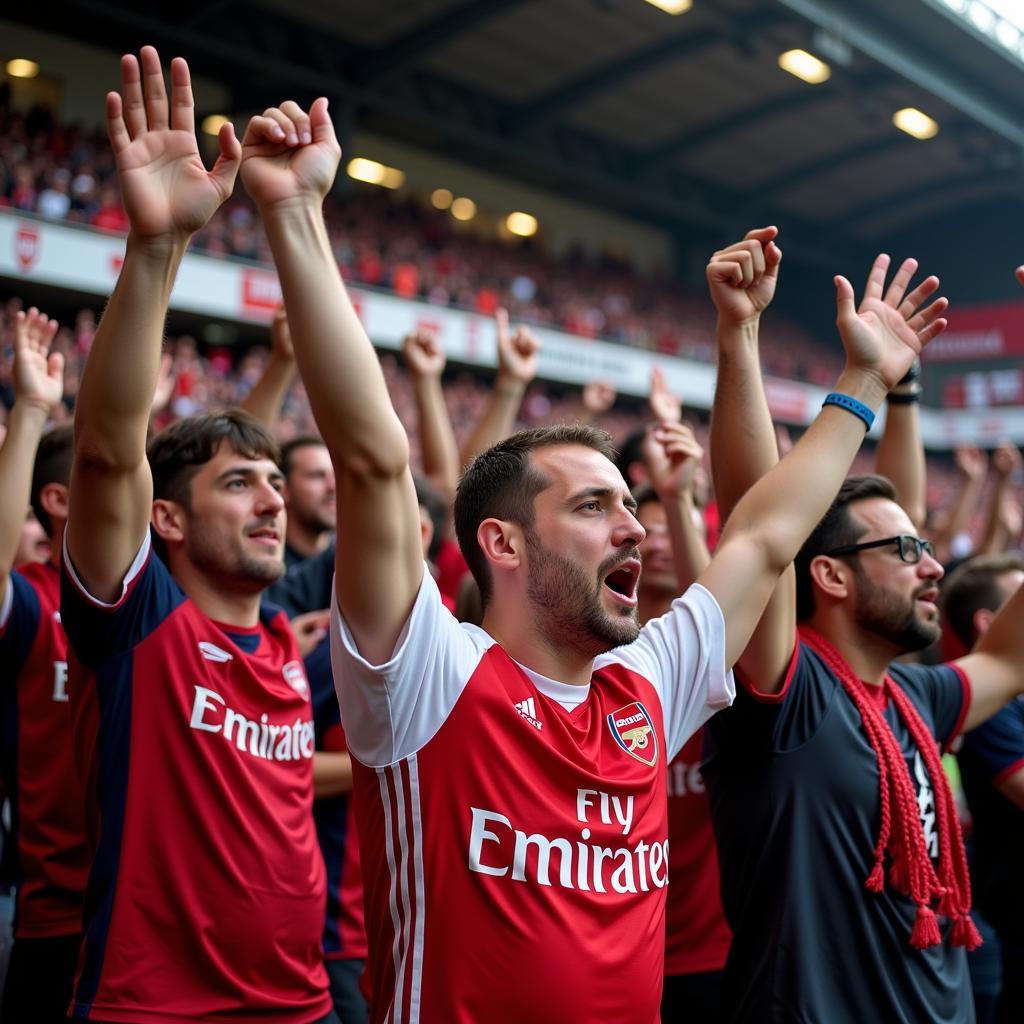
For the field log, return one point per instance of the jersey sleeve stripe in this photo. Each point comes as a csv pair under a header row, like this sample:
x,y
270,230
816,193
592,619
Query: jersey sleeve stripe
x,y
138,564
965,706
1008,772
383,777
417,831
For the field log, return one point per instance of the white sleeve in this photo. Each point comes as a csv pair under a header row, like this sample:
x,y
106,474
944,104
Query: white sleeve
x,y
682,653
390,711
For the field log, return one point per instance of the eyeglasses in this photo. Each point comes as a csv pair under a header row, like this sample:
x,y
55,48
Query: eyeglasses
x,y
910,548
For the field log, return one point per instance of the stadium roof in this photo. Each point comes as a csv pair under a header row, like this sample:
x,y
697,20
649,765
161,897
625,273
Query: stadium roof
x,y
685,121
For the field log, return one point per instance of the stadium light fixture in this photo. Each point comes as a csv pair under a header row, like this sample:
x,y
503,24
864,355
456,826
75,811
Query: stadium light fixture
x,y
463,208
22,68
375,173
672,6
441,198
522,224
916,123
805,66
213,123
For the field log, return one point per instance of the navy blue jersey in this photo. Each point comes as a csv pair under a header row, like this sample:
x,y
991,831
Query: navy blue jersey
x,y
794,788
990,754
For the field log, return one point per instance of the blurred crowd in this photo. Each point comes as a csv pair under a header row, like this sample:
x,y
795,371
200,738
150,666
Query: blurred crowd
x,y
398,242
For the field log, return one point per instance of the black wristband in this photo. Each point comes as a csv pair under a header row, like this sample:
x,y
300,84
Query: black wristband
x,y
913,373
905,399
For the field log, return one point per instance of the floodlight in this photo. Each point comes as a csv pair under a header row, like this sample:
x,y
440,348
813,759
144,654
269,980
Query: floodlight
x,y
805,66
916,123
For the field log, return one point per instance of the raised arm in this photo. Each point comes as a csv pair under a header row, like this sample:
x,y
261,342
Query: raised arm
x,y
596,398
775,517
972,465
38,387
900,454
289,160
168,195
425,359
1006,462
265,399
517,367
742,279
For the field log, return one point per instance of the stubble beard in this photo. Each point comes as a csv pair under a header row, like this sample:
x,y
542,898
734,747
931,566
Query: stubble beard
x,y
889,616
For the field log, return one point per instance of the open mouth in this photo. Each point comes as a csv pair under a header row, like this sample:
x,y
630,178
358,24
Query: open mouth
x,y
265,535
622,581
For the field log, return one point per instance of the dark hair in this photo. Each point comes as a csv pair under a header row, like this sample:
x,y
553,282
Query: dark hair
x,y
645,494
973,586
836,529
631,450
54,456
178,452
288,451
502,482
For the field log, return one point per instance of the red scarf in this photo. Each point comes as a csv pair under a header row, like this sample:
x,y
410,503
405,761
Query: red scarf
x,y
900,833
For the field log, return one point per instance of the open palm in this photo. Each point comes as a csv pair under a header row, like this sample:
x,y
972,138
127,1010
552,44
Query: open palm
x,y
38,373
167,192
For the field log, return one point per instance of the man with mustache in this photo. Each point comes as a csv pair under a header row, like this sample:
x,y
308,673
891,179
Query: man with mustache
x,y
509,780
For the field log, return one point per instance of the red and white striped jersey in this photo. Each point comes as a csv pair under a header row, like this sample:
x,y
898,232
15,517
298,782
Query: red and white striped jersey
x,y
513,829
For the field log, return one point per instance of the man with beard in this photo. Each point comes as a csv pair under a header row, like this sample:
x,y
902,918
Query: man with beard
x,y
191,716
843,872
309,498
509,779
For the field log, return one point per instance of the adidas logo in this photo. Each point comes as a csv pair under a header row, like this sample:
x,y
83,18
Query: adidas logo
x,y
528,709
211,652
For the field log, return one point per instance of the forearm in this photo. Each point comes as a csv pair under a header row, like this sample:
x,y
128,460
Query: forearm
x,y
332,774
743,446
120,374
960,512
784,506
437,439
339,367
689,551
17,456
498,420
900,457
265,399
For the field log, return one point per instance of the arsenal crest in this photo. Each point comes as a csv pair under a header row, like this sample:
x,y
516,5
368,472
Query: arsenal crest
x,y
634,732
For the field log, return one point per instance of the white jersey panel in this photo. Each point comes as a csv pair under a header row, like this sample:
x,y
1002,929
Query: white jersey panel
x,y
682,653
392,710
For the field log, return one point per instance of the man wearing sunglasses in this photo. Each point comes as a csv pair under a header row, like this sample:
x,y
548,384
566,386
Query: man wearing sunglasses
x,y
842,864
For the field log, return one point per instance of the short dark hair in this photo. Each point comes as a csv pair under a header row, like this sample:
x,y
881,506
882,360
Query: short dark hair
x,y
973,586
645,494
287,461
54,456
836,529
428,497
631,450
501,483
178,452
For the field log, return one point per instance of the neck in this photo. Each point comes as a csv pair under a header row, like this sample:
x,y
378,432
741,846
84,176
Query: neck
x,y
231,607
57,541
868,655
652,602
306,540
520,638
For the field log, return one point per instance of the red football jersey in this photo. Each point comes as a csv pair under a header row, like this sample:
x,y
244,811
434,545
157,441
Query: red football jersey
x,y
195,742
514,828
52,857
697,937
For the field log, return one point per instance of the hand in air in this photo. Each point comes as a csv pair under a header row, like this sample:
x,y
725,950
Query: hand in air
x,y
517,350
289,154
887,331
598,397
38,372
742,277
672,455
664,406
168,194
423,354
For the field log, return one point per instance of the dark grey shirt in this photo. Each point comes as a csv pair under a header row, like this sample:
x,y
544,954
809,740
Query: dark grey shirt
x,y
793,785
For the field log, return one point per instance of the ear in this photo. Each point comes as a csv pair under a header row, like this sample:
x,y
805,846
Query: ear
x,y
426,530
54,499
980,622
502,543
168,519
832,577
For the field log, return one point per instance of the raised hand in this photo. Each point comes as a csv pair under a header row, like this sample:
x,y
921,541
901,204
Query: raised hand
x,y
598,397
281,336
289,154
517,350
971,461
167,192
1006,458
165,381
672,455
38,372
423,354
664,406
742,277
887,331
